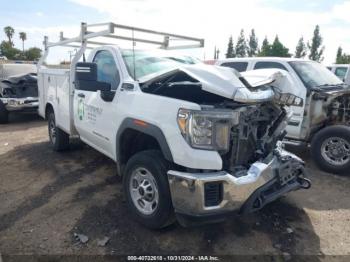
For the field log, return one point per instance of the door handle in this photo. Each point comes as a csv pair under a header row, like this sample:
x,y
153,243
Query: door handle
x,y
81,95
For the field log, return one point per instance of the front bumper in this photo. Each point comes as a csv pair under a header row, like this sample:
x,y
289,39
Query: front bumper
x,y
207,194
21,104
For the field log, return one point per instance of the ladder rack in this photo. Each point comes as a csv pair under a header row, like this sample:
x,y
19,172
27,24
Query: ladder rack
x,y
85,40
110,30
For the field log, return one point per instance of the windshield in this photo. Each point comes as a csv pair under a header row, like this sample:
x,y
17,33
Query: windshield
x,y
147,63
314,74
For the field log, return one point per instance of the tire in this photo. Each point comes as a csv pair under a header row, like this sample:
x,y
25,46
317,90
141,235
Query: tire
x,y
58,138
151,168
330,149
4,114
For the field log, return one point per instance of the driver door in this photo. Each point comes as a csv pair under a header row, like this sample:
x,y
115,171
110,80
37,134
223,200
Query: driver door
x,y
94,113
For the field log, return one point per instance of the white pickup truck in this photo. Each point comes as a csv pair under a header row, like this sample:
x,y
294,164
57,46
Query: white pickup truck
x,y
197,141
341,71
323,120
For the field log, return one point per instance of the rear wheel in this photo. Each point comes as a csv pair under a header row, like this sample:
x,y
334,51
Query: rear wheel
x,y
58,138
146,189
330,149
4,114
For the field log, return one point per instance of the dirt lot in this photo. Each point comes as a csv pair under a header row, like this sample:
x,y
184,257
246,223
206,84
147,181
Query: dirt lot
x,y
46,197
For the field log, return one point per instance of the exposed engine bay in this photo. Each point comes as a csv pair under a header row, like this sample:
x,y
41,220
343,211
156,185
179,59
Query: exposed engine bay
x,y
337,104
339,109
256,135
19,86
328,106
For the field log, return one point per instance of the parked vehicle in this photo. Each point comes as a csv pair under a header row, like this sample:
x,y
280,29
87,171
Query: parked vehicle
x,y
18,89
341,71
323,120
194,140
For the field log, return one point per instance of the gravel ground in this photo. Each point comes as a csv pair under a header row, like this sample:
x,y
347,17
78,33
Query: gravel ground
x,y
47,197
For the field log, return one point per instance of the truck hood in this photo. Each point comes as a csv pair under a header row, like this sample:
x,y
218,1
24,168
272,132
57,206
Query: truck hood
x,y
332,90
221,81
218,80
19,86
274,77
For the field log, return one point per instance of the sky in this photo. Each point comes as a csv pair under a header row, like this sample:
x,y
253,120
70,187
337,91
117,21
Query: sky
x,y
212,20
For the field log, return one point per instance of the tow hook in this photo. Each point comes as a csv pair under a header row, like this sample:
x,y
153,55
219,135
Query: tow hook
x,y
304,182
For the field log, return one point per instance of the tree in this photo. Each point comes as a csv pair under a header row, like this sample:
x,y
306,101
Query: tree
x,y
345,59
253,44
241,46
339,55
230,51
342,58
278,49
265,48
23,37
6,49
9,32
316,48
33,53
300,50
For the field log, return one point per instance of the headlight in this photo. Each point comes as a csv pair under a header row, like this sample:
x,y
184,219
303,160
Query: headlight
x,y
208,130
288,99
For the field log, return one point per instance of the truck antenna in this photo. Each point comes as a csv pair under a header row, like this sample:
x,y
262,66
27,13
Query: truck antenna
x,y
133,53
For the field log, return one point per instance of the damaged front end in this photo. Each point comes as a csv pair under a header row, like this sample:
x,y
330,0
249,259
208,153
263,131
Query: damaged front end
x,y
20,93
256,170
329,105
244,123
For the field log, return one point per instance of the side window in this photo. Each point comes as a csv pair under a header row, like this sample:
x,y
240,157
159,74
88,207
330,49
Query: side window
x,y
107,70
264,65
239,66
341,72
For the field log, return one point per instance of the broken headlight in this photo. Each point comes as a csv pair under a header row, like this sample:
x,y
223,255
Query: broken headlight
x,y
288,99
208,130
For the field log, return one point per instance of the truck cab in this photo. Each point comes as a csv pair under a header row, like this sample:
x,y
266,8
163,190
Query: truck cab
x,y
191,141
341,71
323,120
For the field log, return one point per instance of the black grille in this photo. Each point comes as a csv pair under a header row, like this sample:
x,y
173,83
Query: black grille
x,y
213,193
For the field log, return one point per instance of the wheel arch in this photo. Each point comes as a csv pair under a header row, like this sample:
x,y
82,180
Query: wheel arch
x,y
144,136
48,107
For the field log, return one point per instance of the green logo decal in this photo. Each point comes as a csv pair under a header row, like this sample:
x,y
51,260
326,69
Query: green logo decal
x,y
81,109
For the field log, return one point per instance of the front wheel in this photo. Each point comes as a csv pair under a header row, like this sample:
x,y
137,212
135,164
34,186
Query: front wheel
x,y
146,189
330,149
4,114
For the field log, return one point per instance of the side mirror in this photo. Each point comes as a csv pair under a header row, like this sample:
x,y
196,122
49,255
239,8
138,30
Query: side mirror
x,y
86,78
107,95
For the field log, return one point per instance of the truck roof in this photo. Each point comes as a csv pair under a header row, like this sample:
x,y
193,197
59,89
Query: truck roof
x,y
338,65
245,59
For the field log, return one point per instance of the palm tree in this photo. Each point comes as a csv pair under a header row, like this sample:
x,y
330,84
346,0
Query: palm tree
x,y
23,37
9,31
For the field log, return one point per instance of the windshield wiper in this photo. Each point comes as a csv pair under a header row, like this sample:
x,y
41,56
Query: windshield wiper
x,y
325,85
330,85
